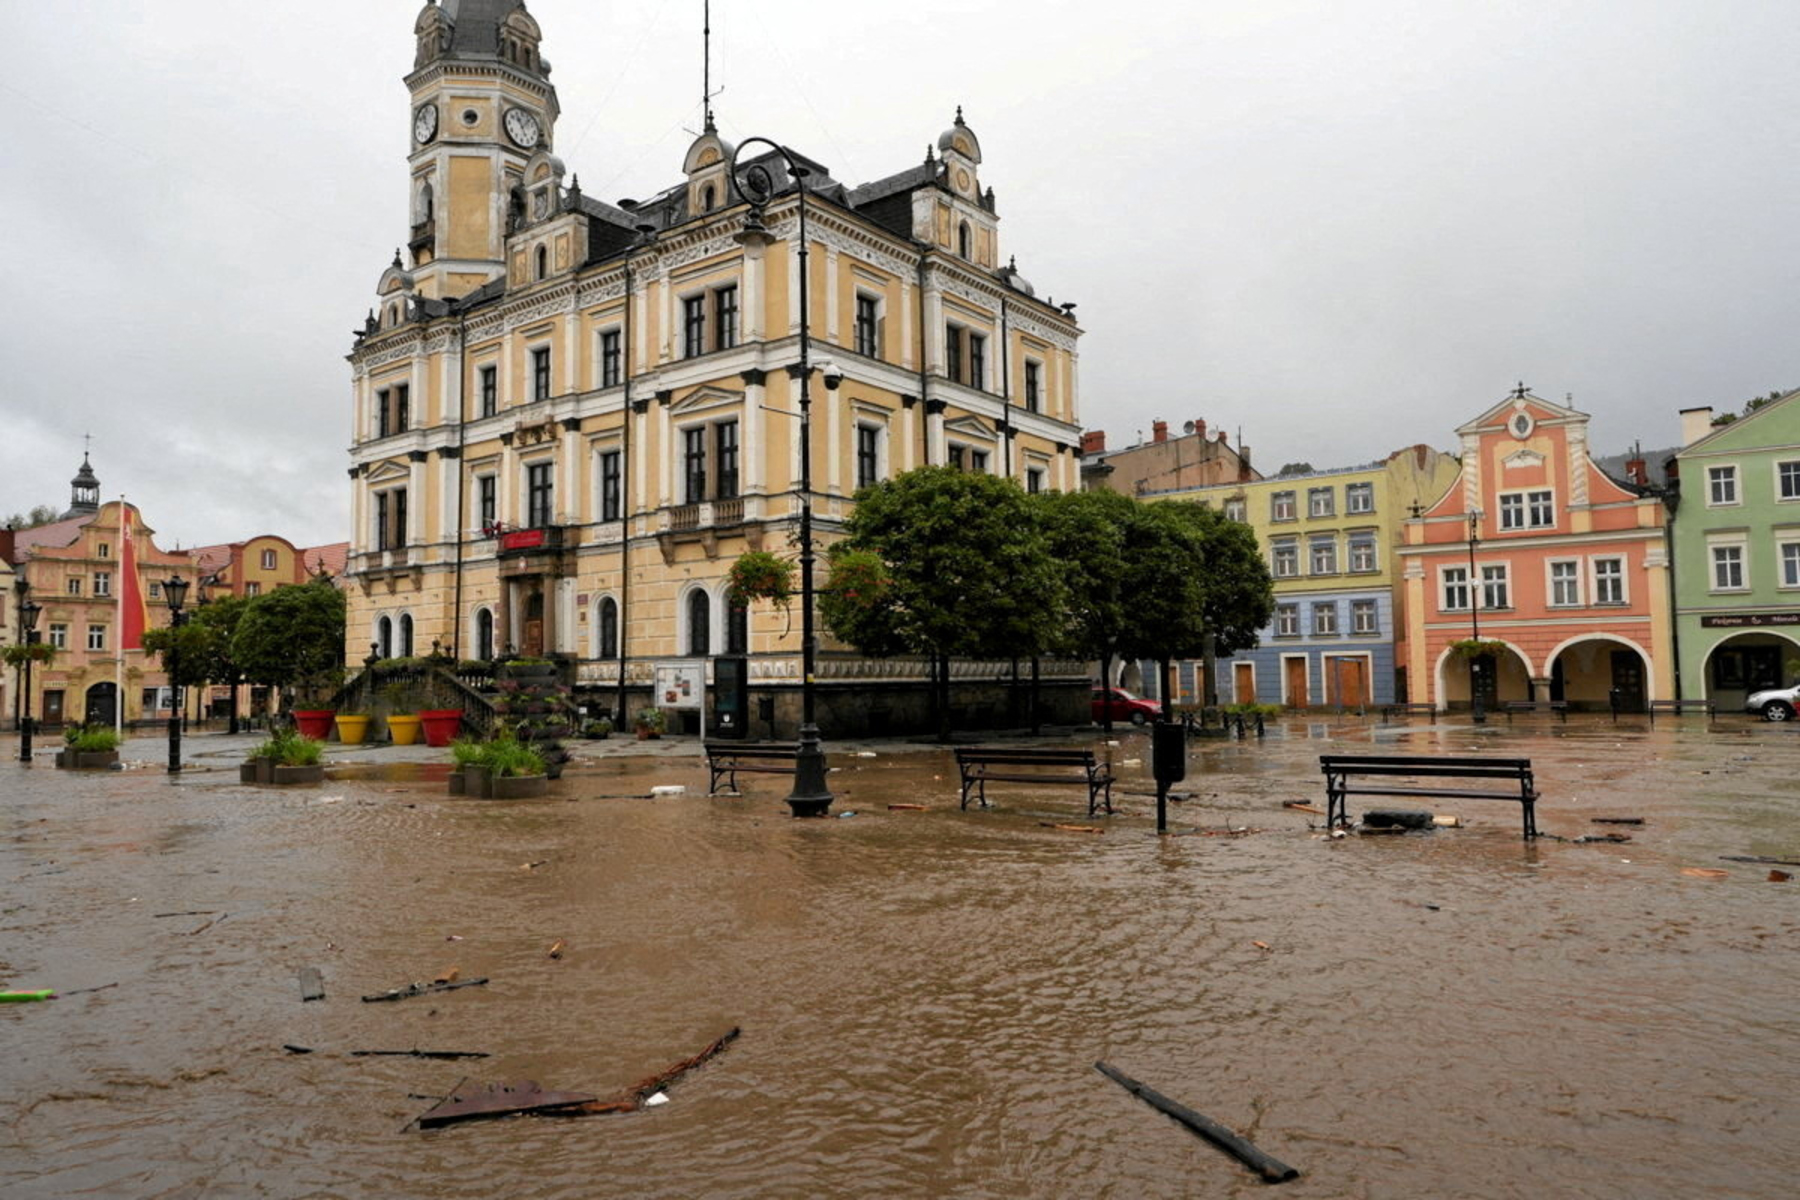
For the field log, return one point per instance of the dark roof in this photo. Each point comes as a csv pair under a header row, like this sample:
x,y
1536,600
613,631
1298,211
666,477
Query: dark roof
x,y
906,181
477,25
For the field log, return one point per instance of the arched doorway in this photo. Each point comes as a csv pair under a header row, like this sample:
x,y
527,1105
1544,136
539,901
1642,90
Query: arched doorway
x,y
1589,672
699,624
1748,662
1502,677
406,635
484,635
609,629
102,704
532,644
384,637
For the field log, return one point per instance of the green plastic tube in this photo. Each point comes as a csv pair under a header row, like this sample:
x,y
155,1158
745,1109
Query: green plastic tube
x,y
26,997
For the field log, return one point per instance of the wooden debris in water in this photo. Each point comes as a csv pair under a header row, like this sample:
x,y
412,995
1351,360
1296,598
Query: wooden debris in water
x,y
557,947
312,984
1072,828
1705,873
421,989
1272,1170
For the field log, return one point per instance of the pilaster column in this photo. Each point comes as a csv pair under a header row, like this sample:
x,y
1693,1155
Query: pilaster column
x,y
906,357
909,433
415,500
934,332
449,475
934,433
506,501
754,425
751,314
671,453
831,298
640,470
568,469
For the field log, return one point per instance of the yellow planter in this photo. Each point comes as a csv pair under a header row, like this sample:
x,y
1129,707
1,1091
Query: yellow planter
x,y
404,729
352,730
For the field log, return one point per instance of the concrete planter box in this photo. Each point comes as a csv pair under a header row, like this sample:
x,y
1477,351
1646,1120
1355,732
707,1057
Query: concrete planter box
x,y
312,774
474,782
87,760
520,787
257,770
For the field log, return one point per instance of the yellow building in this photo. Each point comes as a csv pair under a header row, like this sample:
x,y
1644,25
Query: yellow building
x,y
1331,539
571,417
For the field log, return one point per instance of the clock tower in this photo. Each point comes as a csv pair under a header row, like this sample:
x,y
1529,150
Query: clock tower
x,y
482,105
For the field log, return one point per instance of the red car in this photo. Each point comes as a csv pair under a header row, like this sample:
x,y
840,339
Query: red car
x,y
1124,706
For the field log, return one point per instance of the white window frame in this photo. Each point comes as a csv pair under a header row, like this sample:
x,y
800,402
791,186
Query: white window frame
x,y
597,604
1504,581
1316,510
1728,474
531,349
524,488
715,621
1354,491
1373,545
1778,464
102,583
859,294
881,448
1235,511
599,451
96,638
600,335
1036,479
1523,503
1787,551
1275,549
1293,505
1319,609
1737,545
59,635
268,560
1316,544
1444,585
1550,582
1623,580
1282,612
1043,377
1357,609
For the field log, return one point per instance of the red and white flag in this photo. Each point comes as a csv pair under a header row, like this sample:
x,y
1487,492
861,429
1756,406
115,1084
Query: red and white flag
x,y
133,616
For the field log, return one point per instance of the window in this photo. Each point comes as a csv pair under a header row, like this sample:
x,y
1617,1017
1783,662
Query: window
x,y
487,508
978,460
540,373
1455,582
1034,390
390,519
268,560
382,419
74,585
610,508
384,637
1287,620
1321,502
725,438
103,550
96,637
1609,581
868,455
1728,568
1281,506
964,240
1285,561
253,589
1234,510
402,409
155,590
694,458
868,325
977,361
1721,485
953,339
956,458
1790,564
1034,480
693,341
1512,511
406,635
543,262
1565,584
1527,510
1324,620
699,623
737,629
725,307
609,628
539,493
59,636
1359,497
484,635
1787,481
102,583
490,390
1363,618
1493,587
611,359
1362,554
1324,556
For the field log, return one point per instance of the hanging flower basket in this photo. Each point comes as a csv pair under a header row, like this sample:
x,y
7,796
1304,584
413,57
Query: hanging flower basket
x,y
760,575
27,652
1478,648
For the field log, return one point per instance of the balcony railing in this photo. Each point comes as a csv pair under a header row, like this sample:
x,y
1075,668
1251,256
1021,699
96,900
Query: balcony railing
x,y
728,512
684,518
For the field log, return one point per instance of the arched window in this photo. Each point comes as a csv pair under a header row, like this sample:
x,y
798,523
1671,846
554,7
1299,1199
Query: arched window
x,y
543,262
965,241
706,198
609,628
426,201
699,620
384,638
737,629
406,639
484,635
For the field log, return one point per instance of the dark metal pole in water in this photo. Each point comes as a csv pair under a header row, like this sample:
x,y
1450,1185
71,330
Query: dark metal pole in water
x,y
1273,1170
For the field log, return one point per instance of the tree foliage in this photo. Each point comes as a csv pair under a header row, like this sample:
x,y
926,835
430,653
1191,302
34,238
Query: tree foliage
x,y
42,514
292,637
1086,536
203,644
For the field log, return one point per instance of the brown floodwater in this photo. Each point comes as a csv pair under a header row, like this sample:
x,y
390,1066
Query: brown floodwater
x,y
922,994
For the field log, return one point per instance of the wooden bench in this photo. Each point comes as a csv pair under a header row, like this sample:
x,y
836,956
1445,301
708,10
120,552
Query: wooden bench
x,y
726,759
1349,775
980,765
1559,707
1677,708
1409,710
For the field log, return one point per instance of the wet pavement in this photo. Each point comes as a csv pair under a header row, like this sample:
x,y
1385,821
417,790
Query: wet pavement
x,y
922,994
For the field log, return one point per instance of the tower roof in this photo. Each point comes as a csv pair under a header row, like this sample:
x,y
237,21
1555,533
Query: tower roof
x,y
84,491
477,24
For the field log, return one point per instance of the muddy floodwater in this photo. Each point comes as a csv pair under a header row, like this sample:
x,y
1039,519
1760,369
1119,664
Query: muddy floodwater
x,y
922,994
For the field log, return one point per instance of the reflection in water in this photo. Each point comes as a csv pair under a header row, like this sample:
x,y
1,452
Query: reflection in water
x,y
922,994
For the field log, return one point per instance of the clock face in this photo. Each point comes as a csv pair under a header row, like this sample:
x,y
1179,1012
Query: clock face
x,y
522,128
425,123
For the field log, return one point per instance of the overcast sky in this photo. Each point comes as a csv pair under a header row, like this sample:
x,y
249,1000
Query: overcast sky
x,y
1342,226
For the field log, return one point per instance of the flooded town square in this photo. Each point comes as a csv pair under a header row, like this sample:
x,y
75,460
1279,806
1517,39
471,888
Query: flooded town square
x,y
922,994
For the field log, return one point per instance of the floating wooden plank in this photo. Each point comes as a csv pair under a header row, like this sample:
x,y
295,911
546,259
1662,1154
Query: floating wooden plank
x,y
635,1099
909,807
1618,820
497,1100
419,1054
1072,828
1760,858
421,989
1302,806
312,984
1705,873
1271,1169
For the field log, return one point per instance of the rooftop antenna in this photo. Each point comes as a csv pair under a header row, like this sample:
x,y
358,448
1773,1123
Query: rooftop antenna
x,y
706,92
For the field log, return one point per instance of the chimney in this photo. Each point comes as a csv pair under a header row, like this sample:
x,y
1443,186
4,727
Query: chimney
x,y
1244,472
1671,470
1094,442
1696,423
1159,431
1200,430
1221,437
1637,471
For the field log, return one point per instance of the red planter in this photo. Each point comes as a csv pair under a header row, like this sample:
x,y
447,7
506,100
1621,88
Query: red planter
x,y
314,723
441,725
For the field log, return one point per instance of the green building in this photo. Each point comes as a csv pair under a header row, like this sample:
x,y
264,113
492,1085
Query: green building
x,y
1737,553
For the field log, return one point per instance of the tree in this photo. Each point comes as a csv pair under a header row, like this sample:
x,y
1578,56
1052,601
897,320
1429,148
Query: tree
x,y
43,514
292,637
203,647
944,563
1086,536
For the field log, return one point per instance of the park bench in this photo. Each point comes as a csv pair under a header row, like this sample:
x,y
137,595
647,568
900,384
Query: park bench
x,y
1677,708
980,765
1388,711
726,759
1559,707
1349,775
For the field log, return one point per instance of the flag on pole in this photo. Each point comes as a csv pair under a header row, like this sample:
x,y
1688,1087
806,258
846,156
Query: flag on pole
x,y
133,616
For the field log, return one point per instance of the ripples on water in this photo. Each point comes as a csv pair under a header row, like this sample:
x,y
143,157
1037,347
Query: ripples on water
x,y
922,995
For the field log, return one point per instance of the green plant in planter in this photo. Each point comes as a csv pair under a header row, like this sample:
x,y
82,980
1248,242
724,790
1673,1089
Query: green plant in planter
x,y
652,719
1478,648
87,739
598,728
467,752
1247,709
289,749
760,575
27,652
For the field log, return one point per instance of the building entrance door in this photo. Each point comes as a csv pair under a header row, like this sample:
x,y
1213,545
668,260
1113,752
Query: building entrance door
x,y
1628,680
102,704
1294,672
53,708
1348,681
532,644
1243,686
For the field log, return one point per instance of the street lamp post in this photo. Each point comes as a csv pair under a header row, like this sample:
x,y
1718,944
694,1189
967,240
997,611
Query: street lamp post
x,y
28,615
175,591
756,187
1476,712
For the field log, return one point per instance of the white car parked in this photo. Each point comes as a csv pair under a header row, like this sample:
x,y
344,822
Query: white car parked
x,y
1775,704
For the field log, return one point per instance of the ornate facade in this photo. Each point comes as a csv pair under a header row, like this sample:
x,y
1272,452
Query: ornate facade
x,y
571,416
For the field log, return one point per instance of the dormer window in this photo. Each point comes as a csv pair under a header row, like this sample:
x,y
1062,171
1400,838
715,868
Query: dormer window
x,y
543,262
707,198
